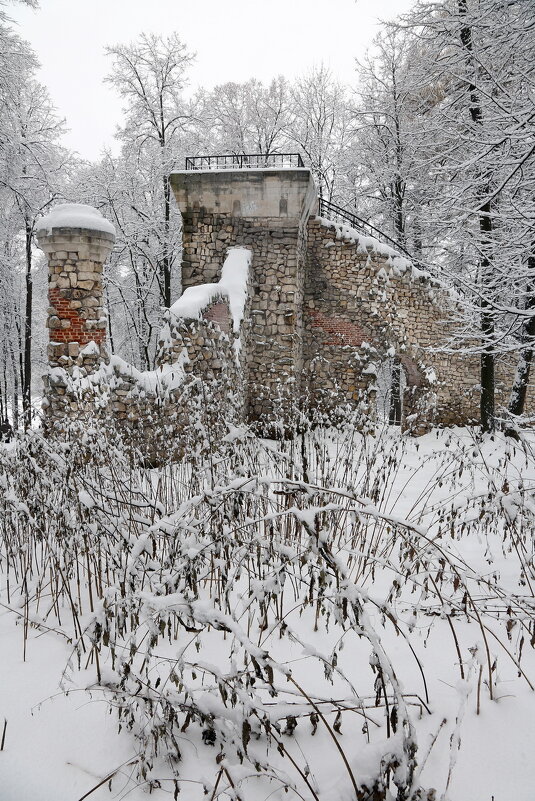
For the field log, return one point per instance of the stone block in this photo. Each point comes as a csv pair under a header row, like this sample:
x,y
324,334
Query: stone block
x,y
88,276
90,302
54,322
55,350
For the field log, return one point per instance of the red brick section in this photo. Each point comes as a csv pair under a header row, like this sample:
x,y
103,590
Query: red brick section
x,y
337,332
76,332
218,313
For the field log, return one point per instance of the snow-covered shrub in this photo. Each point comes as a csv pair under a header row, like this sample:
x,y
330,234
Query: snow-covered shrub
x,y
242,610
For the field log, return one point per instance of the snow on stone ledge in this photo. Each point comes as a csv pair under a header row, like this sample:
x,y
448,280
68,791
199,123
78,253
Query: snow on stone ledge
x,y
91,349
239,170
231,287
74,215
366,243
163,379
369,244
109,376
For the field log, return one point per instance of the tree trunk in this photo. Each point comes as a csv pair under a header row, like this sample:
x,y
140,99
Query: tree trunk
x,y
3,404
487,331
166,261
487,402
394,415
417,242
399,189
399,221
27,371
520,384
109,307
15,409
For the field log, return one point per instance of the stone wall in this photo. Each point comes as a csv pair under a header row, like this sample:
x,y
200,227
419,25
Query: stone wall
x,y
364,305
265,211
272,330
187,401
191,396
328,308
323,310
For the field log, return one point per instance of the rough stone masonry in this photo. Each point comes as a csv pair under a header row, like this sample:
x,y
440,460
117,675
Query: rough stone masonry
x,y
77,246
325,309
329,306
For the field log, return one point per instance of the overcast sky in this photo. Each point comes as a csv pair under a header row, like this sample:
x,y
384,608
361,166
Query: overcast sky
x,y
234,40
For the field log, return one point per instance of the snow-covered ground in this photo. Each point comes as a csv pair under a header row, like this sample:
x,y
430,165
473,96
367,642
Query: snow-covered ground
x,y
426,537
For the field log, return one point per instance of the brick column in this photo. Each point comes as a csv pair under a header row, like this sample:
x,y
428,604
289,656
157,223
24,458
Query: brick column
x,y
77,241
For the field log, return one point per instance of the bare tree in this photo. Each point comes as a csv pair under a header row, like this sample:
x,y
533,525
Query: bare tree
x,y
150,75
32,168
478,139
248,117
321,126
388,113
128,191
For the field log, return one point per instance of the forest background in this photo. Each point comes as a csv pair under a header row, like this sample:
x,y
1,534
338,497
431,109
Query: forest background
x,y
433,143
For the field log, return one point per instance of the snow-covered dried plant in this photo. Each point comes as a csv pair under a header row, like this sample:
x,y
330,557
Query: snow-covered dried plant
x,y
242,609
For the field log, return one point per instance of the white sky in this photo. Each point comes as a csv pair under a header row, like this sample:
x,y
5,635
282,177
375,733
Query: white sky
x,y
234,40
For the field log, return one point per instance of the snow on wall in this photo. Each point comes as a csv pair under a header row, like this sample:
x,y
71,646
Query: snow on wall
x,y
232,287
363,305
192,392
74,215
369,244
196,362
109,376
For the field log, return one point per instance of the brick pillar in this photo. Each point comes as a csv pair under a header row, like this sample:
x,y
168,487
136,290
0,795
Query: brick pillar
x,y
77,241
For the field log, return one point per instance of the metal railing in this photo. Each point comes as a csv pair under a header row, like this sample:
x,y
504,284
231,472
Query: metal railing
x,y
338,214
250,161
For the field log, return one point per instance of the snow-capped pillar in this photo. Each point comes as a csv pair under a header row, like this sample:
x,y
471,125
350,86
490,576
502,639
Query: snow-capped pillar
x,y
77,240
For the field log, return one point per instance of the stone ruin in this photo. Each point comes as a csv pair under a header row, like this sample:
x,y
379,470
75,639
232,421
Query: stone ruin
x,y
281,310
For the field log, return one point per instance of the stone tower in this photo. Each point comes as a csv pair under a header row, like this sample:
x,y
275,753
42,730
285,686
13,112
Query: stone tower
x,y
265,210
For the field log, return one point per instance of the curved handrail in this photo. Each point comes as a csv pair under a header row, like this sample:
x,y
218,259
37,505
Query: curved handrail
x,y
331,209
325,206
